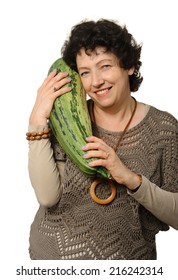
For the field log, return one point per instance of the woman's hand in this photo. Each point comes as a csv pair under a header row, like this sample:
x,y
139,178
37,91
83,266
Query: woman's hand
x,y
106,157
51,88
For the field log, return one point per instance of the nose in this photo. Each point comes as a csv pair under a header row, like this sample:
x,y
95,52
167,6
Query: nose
x,y
97,79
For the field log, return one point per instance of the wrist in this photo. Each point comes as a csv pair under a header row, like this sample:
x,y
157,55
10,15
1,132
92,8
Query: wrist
x,y
134,182
38,121
37,117
37,128
137,188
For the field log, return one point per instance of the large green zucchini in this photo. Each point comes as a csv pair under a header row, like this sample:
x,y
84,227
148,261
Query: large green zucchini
x,y
70,122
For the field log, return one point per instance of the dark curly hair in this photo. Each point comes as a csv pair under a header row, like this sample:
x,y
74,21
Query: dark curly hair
x,y
111,36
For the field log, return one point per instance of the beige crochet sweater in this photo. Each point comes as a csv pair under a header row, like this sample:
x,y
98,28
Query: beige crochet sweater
x,y
70,225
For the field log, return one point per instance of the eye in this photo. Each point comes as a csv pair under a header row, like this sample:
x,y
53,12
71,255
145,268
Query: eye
x,y
106,66
83,74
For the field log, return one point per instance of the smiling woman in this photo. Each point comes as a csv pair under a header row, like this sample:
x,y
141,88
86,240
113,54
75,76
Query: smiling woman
x,y
136,142
103,79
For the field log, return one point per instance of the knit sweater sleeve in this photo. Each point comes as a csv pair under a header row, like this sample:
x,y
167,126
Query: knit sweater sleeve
x,y
162,204
45,174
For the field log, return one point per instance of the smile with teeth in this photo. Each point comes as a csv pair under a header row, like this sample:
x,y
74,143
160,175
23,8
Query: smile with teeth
x,y
103,91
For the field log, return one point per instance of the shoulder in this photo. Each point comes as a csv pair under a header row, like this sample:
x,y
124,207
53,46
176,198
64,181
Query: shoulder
x,y
163,118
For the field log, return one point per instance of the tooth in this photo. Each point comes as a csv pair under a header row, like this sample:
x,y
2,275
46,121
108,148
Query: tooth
x,y
102,91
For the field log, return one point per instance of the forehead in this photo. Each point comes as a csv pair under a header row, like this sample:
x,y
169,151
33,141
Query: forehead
x,y
97,54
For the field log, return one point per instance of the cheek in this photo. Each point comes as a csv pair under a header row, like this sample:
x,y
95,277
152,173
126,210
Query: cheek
x,y
86,84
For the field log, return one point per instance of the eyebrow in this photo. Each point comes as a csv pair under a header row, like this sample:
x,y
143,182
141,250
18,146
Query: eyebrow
x,y
98,63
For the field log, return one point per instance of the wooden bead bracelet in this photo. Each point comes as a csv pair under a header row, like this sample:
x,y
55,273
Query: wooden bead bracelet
x,y
45,134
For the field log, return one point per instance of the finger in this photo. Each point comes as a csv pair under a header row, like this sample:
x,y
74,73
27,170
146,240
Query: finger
x,y
56,90
60,92
49,77
60,79
59,84
97,162
96,154
95,146
94,139
52,78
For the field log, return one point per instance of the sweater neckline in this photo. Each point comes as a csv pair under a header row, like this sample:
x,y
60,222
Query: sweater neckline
x,y
136,127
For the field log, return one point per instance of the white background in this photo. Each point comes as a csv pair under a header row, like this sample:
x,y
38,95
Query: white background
x,y
31,35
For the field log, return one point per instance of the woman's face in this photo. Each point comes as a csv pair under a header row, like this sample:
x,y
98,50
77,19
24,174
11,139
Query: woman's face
x,y
103,79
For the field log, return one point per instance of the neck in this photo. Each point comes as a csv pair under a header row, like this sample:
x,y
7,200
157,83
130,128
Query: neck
x,y
112,120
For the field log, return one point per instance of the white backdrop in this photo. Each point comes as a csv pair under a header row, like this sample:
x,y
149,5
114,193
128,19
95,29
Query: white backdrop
x,y
32,33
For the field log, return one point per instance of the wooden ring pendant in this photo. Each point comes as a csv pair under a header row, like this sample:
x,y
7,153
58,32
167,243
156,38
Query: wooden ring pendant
x,y
97,199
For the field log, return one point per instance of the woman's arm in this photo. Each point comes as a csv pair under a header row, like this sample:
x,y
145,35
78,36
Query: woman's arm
x,y
45,175
162,204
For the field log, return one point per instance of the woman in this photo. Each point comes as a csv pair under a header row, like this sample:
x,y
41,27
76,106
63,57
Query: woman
x,y
135,142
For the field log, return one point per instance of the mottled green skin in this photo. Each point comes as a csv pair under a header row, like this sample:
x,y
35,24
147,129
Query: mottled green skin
x,y
70,121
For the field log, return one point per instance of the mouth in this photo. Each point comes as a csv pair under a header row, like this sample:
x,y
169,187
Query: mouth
x,y
102,92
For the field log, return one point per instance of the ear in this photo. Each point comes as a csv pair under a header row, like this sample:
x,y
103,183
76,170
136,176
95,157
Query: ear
x,y
131,71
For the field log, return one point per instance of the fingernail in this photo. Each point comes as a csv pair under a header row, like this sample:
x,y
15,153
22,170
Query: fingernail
x,y
85,155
